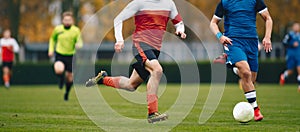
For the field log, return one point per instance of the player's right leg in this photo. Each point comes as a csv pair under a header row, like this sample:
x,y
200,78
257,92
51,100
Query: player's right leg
x,y
221,59
59,68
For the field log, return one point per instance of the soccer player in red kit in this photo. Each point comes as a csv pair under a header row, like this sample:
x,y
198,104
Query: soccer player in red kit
x,y
9,46
151,18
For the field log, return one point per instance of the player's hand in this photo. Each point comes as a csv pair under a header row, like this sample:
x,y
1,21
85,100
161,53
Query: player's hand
x,y
119,46
51,54
225,41
296,44
267,44
180,34
78,46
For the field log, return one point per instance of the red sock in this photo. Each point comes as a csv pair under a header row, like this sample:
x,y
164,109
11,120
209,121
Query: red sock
x,y
6,78
112,81
152,103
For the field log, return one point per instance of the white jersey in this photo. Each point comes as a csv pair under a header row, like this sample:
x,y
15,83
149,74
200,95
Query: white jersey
x,y
151,18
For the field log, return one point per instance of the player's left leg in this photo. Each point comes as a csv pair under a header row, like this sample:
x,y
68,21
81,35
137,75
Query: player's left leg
x,y
248,87
156,72
68,61
69,84
252,56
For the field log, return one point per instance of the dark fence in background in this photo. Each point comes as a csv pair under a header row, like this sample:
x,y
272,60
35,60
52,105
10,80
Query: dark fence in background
x,y
43,73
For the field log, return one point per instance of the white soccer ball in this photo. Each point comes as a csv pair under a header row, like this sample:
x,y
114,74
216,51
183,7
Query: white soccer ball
x,y
243,112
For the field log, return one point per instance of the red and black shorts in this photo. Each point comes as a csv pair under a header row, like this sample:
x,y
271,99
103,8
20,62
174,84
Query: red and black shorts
x,y
143,52
66,59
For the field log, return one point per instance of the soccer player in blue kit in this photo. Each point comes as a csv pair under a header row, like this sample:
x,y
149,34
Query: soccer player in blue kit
x,y
291,41
241,40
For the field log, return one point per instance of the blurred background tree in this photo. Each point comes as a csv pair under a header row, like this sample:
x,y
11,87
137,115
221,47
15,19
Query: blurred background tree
x,y
34,20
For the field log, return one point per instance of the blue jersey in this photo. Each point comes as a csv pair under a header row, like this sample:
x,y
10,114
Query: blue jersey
x,y
240,17
290,39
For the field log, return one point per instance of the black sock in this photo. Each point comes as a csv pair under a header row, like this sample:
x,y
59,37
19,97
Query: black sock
x,y
61,79
68,86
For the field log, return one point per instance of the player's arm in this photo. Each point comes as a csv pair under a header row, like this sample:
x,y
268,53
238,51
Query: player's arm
x,y
215,28
177,21
79,43
130,10
286,41
16,47
52,42
264,13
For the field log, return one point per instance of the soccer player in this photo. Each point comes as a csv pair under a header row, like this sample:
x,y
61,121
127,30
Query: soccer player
x,y
9,46
64,41
151,18
241,40
291,41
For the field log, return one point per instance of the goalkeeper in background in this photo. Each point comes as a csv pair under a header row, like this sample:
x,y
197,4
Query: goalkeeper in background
x,y
64,41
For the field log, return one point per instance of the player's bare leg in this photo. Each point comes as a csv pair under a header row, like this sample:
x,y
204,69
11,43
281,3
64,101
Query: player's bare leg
x,y
248,87
59,69
120,82
6,76
156,72
284,76
69,83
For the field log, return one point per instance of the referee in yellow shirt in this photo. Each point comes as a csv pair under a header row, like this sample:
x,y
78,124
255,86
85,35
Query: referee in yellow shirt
x,y
64,41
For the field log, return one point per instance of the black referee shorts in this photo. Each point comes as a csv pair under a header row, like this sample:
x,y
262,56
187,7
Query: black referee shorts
x,y
67,60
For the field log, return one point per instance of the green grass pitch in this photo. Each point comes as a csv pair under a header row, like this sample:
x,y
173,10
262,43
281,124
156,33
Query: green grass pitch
x,y
41,108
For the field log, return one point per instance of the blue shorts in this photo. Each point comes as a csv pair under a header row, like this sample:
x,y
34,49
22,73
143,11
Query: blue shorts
x,y
243,49
292,60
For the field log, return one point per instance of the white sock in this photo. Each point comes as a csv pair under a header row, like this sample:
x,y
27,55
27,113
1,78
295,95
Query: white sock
x,y
286,74
298,78
251,97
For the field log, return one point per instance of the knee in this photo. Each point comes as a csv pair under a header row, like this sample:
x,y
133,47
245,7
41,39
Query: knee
x,y
133,87
59,67
158,71
246,74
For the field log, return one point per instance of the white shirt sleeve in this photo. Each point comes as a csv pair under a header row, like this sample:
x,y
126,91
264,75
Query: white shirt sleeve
x,y
175,15
15,46
130,10
174,11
